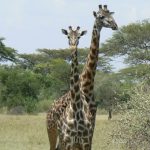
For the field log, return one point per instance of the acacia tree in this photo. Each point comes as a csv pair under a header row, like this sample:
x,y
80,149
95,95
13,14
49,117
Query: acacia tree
x,y
103,63
132,40
108,91
53,69
107,95
6,53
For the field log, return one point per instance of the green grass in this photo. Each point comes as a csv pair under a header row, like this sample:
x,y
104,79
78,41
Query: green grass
x,y
29,133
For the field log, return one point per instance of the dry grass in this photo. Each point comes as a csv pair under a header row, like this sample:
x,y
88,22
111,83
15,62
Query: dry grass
x,y
29,133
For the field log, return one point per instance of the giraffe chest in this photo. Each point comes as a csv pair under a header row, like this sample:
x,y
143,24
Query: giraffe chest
x,y
80,136
78,125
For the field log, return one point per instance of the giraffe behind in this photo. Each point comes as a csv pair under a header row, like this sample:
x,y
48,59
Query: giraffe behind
x,y
75,125
60,105
73,37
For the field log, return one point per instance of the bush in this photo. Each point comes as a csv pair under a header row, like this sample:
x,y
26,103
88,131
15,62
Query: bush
x,y
133,127
43,106
3,110
18,110
20,88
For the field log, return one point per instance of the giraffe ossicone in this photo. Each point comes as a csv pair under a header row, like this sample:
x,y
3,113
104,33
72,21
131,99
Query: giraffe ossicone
x,y
73,36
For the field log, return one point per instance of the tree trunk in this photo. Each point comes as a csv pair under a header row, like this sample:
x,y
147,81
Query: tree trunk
x,y
109,114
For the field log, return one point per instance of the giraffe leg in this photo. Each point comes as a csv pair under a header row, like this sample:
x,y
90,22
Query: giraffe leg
x,y
87,147
52,135
78,147
58,144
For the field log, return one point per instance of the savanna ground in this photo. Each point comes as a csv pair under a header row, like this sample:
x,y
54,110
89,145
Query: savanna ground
x,y
28,132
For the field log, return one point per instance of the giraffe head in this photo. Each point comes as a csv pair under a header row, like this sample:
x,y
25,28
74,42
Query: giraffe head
x,y
73,36
104,18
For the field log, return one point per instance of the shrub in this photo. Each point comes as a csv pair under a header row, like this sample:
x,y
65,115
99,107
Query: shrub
x,y
20,88
18,110
133,127
43,106
3,110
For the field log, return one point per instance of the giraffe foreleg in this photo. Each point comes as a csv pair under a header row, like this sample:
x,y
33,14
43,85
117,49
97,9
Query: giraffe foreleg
x,y
52,135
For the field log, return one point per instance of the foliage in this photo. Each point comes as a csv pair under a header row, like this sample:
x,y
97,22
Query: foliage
x,y
111,90
28,61
136,74
133,127
64,54
19,88
7,53
43,105
37,79
132,40
24,87
47,55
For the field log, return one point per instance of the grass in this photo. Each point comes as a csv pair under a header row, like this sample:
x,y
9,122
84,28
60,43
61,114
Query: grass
x,y
28,132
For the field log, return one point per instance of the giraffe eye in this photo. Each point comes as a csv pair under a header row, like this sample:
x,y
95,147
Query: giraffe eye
x,y
109,21
102,17
68,37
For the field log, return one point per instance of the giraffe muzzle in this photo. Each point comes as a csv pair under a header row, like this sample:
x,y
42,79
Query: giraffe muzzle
x,y
115,27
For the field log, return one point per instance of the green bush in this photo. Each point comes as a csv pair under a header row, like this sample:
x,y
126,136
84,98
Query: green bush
x,y
3,110
133,127
43,106
19,88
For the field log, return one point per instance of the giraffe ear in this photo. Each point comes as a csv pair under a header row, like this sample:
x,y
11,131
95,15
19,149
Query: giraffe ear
x,y
64,31
111,13
94,13
83,33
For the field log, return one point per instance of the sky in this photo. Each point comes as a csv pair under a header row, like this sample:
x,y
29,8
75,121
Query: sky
x,y
31,24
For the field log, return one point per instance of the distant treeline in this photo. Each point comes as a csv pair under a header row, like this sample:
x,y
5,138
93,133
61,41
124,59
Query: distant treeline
x,y
32,81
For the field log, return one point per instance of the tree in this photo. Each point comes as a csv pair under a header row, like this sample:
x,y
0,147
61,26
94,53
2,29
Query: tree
x,y
110,91
7,53
28,61
19,88
55,65
136,74
132,40
103,63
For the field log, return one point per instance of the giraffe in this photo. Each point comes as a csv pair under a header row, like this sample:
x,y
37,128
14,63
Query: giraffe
x,y
74,125
103,18
56,110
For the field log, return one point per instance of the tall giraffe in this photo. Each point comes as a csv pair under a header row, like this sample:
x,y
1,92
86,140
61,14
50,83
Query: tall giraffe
x,y
103,18
74,125
60,105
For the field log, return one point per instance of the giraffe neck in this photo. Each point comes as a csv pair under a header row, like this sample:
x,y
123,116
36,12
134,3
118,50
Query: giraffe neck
x,y
88,74
74,82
